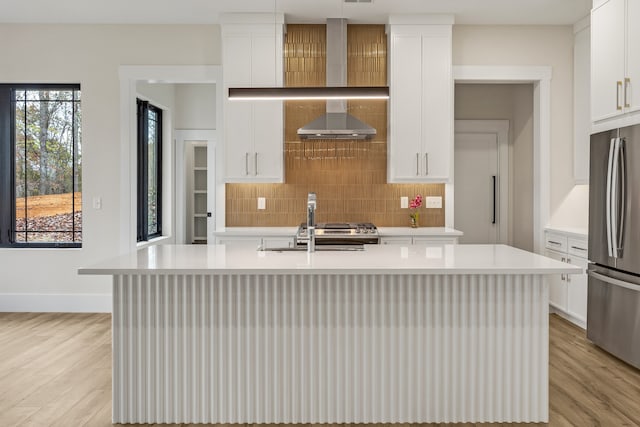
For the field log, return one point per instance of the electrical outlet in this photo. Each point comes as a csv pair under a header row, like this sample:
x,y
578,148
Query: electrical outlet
x,y
404,202
433,202
262,204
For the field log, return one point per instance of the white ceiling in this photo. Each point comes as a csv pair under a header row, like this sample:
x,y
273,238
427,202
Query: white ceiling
x,y
556,12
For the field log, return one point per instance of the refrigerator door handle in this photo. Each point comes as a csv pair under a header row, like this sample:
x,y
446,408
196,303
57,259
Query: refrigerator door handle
x,y
612,281
615,198
621,201
608,197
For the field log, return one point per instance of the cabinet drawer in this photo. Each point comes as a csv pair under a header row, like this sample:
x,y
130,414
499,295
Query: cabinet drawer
x,y
406,241
556,242
577,247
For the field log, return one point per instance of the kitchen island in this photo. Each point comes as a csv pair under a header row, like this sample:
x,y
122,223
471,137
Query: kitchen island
x,y
228,334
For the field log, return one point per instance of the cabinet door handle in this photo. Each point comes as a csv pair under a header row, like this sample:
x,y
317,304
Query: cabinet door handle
x,y
618,88
426,163
627,82
255,163
553,242
563,276
417,164
246,163
493,185
577,248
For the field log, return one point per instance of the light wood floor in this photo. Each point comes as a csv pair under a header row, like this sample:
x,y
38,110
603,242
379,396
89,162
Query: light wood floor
x,y
55,370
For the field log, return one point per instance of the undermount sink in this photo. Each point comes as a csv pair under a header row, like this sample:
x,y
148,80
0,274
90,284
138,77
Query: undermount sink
x,y
319,248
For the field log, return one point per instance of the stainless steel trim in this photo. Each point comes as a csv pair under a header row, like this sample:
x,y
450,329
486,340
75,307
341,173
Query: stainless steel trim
x,y
246,163
627,81
426,163
608,197
613,281
417,164
618,87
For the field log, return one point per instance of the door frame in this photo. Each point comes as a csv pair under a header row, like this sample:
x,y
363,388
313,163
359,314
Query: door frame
x,y
540,76
130,75
209,138
500,128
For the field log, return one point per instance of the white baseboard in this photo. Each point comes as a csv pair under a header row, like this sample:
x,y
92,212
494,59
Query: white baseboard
x,y
58,303
568,316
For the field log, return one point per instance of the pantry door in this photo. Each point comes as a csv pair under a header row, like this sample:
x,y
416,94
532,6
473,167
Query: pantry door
x,y
481,186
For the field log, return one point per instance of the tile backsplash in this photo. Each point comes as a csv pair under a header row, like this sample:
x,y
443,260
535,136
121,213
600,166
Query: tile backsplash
x,y
349,177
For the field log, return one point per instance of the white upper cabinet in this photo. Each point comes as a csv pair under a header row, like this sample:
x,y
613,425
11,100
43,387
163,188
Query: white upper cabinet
x,y
581,101
633,55
615,59
421,104
254,130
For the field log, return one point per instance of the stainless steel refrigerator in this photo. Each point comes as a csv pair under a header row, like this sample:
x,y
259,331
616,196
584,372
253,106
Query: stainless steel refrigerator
x,y
613,307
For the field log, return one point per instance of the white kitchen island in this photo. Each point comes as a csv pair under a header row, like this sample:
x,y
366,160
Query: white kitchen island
x,y
228,334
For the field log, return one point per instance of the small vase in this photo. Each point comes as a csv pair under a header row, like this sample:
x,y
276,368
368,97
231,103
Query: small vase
x,y
414,221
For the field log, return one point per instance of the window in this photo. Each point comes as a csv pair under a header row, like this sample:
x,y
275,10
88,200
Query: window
x,y
40,165
149,171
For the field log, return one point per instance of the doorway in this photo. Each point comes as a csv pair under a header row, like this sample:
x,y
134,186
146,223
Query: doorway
x,y
191,79
507,110
195,168
482,183
533,214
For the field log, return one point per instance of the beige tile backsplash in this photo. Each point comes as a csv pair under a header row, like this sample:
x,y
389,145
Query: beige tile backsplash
x,y
350,184
349,177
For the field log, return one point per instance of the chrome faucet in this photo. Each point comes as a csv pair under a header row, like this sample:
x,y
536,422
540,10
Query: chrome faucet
x,y
311,222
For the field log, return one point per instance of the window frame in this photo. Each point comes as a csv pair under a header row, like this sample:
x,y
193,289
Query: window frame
x,y
142,216
7,165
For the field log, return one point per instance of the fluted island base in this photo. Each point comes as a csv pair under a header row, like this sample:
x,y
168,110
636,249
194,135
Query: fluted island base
x,y
330,348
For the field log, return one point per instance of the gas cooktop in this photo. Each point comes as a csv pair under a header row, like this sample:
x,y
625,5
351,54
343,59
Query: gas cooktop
x,y
340,233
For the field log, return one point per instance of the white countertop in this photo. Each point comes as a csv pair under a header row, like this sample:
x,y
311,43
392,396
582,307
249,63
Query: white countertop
x,y
383,231
256,231
575,231
375,259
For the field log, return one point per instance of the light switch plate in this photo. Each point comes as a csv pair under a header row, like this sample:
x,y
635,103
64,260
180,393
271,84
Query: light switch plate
x,y
97,203
433,202
404,202
262,204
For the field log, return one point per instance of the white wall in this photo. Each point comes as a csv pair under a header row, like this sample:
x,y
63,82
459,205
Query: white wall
x,y
90,55
535,45
513,102
195,106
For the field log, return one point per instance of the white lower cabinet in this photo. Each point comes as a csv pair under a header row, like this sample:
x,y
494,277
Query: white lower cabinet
x,y
577,290
405,240
557,284
258,241
568,292
423,240
236,240
418,240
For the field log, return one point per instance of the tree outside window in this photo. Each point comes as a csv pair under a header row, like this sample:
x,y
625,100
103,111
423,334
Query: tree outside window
x,y
149,171
41,189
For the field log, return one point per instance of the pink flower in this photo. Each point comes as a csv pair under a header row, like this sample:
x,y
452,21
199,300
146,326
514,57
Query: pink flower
x,y
416,202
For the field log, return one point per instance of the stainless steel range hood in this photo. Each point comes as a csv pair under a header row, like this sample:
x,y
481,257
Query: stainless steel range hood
x,y
336,123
